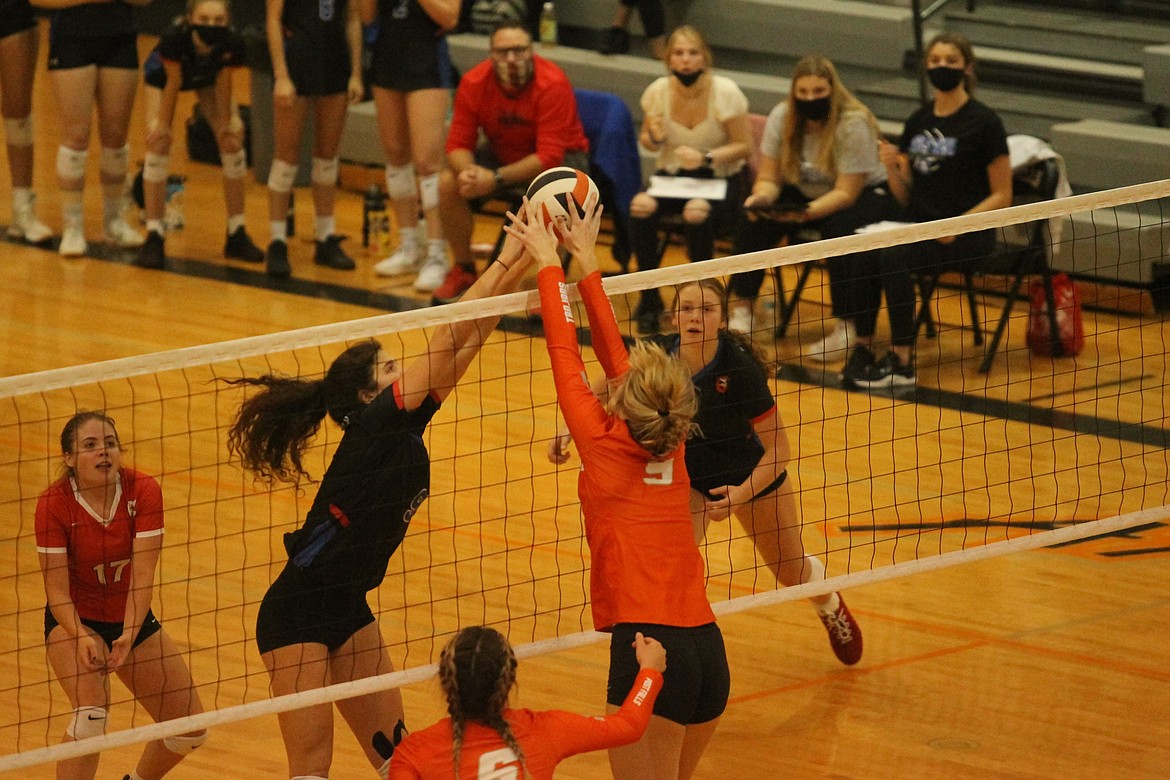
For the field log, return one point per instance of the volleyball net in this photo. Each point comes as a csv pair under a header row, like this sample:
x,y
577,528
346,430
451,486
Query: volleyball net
x,y
968,465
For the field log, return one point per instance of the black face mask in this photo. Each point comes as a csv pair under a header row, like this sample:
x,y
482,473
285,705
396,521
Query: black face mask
x,y
687,79
815,110
214,35
945,79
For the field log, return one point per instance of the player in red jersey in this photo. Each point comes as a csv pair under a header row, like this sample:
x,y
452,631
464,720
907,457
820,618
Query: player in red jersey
x,y
647,573
484,738
99,533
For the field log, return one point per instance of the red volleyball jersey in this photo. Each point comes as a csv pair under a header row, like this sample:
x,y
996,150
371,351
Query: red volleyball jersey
x,y
646,567
546,738
99,549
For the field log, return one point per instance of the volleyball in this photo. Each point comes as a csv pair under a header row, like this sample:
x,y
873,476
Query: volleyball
x,y
550,193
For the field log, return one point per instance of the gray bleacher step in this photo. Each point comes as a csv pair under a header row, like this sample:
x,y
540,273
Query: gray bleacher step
x,y
1069,33
1069,75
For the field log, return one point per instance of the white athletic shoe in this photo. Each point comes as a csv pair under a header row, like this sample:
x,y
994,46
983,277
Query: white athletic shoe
x,y
119,233
26,226
739,319
836,345
72,243
404,260
433,272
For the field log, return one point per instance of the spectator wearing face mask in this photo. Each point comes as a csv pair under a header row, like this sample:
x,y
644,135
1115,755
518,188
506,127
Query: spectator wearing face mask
x,y
818,170
952,159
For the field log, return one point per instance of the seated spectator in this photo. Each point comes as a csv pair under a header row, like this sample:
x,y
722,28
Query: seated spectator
x,y
818,169
617,40
525,107
952,160
697,122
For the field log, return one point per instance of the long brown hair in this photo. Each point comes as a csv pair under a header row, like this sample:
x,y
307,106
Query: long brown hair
x,y
477,670
750,346
272,428
842,103
69,433
960,42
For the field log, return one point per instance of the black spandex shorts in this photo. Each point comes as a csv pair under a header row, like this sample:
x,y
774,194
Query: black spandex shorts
x,y
696,683
316,71
301,609
105,51
16,16
395,68
109,632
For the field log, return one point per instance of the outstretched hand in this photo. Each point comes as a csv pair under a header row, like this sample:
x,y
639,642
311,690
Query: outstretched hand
x,y
537,238
579,235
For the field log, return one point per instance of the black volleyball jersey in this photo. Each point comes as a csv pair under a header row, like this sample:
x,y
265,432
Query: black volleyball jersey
x,y
199,70
93,20
404,23
322,21
733,393
378,478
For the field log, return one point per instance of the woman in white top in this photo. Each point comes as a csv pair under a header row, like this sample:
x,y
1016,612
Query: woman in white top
x,y
698,123
818,169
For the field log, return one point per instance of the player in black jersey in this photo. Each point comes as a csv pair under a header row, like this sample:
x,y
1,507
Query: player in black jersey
x,y
93,62
738,458
316,48
19,41
197,52
412,80
315,626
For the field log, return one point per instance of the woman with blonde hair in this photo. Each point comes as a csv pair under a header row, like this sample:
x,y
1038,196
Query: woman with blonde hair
x,y
647,574
818,169
477,672
697,123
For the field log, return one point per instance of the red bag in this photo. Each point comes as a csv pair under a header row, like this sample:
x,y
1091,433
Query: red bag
x,y
1069,338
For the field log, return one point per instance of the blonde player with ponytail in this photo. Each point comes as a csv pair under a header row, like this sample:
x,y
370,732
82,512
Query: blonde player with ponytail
x,y
647,574
477,671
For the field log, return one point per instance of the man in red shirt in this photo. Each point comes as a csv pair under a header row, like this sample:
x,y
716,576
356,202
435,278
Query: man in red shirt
x,y
525,107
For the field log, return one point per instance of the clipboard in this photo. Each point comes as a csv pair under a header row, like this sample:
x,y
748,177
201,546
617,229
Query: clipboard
x,y
687,187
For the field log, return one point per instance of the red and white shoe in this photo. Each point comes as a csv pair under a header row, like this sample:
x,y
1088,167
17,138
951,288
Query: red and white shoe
x,y
844,633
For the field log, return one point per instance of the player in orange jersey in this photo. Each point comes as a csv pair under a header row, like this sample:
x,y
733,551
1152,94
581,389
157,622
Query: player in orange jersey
x,y
483,737
647,574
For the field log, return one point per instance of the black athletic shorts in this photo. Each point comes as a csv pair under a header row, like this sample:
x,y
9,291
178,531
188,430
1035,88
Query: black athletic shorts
x,y
109,631
299,608
395,67
16,16
316,71
105,51
696,683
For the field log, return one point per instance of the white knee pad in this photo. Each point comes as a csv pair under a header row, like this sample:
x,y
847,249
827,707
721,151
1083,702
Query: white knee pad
x,y
71,162
324,171
19,132
155,167
115,161
428,188
281,176
235,164
400,181
87,722
182,746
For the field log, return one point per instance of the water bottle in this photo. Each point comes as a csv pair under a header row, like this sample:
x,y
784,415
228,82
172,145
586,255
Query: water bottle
x,y
548,25
376,221
290,221
173,218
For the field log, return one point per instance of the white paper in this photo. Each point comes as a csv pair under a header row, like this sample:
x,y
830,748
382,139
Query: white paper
x,y
686,187
885,224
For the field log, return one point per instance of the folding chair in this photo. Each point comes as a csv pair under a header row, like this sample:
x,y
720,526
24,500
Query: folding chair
x,y
1023,253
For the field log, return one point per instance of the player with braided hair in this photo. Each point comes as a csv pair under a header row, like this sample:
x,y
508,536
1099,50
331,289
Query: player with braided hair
x,y
314,625
483,737
646,573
